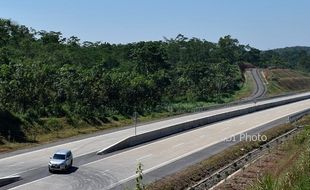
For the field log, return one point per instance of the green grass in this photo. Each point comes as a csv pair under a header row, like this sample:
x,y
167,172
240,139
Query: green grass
x,y
246,89
203,169
282,81
295,168
47,130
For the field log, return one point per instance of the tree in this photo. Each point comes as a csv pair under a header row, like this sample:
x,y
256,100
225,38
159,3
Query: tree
x,y
44,75
139,178
150,57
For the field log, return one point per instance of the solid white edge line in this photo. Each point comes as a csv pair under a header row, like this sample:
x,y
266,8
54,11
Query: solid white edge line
x,y
258,103
196,150
167,162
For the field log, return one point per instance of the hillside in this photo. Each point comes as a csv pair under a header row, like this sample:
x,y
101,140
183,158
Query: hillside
x,y
51,83
297,58
286,80
294,49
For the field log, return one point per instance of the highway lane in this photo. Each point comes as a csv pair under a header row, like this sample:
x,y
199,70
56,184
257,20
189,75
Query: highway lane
x,y
260,89
36,159
116,169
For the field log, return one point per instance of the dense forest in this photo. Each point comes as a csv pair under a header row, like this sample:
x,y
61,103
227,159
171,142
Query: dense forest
x,y
290,57
43,74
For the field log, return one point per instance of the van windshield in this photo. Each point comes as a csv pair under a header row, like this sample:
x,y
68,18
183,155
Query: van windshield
x,y
59,156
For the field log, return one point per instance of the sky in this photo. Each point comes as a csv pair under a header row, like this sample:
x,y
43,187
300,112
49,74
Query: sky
x,y
264,24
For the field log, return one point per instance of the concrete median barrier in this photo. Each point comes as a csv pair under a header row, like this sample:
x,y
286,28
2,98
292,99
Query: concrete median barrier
x,y
9,179
187,125
299,115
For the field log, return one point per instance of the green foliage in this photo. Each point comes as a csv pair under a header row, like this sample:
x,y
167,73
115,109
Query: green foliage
x,y
267,183
43,74
10,127
290,57
139,178
296,175
53,124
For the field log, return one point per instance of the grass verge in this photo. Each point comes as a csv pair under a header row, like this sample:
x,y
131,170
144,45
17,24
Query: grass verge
x,y
282,81
292,171
203,169
246,89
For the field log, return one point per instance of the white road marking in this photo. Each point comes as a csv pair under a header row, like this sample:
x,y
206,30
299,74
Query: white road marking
x,y
23,171
177,145
171,160
164,163
189,153
29,183
125,130
143,157
61,145
15,164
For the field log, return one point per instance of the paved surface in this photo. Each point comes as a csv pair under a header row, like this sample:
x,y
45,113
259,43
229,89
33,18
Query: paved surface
x,y
197,156
260,87
110,171
250,72
39,158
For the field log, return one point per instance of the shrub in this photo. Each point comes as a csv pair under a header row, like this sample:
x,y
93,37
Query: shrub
x,y
10,127
53,124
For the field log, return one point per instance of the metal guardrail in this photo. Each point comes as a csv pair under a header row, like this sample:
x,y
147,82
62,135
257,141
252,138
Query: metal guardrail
x,y
239,163
297,116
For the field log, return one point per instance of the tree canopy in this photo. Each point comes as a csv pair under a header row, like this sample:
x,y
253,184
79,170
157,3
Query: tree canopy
x,y
43,74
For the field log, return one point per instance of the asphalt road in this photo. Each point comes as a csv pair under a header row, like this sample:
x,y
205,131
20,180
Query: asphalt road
x,y
20,161
32,165
260,88
32,160
111,171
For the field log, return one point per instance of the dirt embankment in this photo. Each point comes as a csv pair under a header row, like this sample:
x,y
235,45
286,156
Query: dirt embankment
x,y
286,80
276,163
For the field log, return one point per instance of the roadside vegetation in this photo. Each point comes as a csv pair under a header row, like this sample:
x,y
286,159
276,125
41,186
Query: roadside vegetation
x,y
282,167
54,87
203,169
286,80
247,88
291,171
49,83
297,58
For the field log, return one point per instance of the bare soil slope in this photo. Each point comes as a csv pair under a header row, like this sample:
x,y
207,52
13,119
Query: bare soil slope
x,y
286,80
